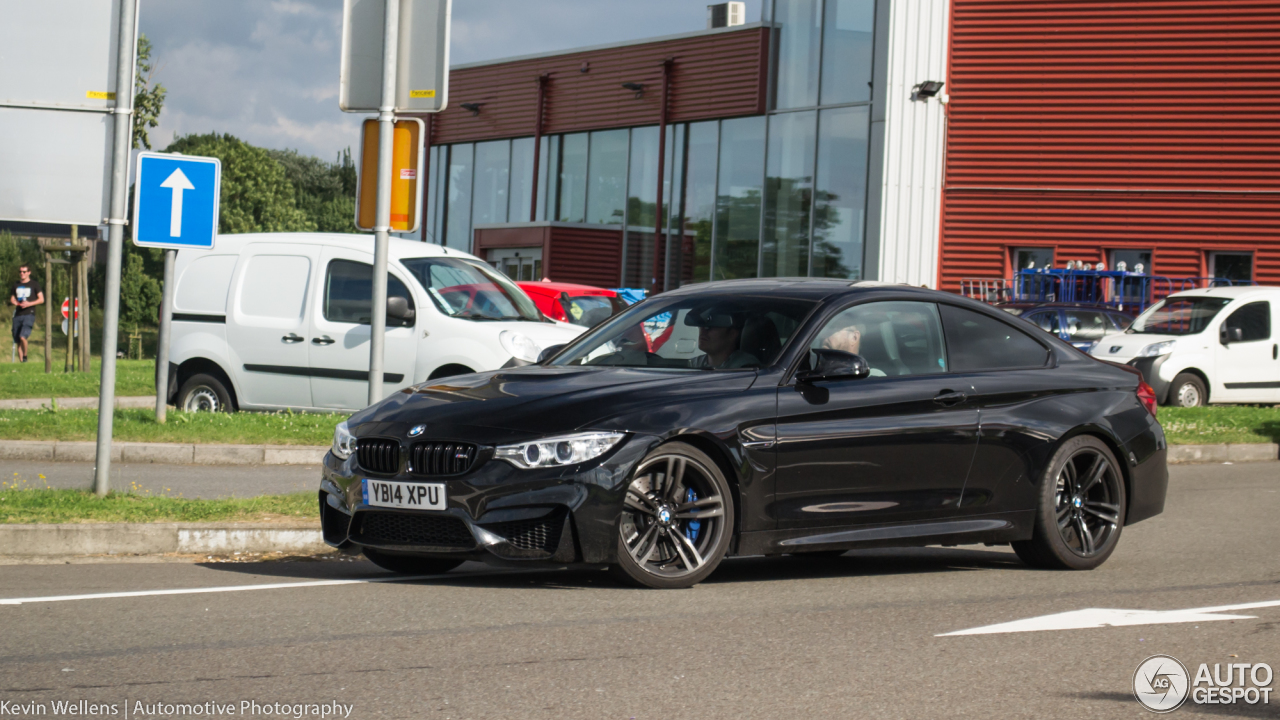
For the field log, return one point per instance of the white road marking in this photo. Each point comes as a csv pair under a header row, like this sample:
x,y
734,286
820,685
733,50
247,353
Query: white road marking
x,y
242,588
1105,617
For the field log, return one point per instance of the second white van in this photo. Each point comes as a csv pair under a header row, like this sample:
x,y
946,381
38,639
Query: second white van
x,y
281,320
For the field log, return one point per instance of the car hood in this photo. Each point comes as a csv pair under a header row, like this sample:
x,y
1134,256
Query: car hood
x,y
545,334
539,400
1123,347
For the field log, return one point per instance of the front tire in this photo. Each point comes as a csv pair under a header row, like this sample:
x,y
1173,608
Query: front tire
x,y
204,393
1080,511
677,519
410,564
1188,390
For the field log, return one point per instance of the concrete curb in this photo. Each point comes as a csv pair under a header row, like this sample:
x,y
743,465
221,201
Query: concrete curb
x,y
156,539
169,453
1242,452
77,403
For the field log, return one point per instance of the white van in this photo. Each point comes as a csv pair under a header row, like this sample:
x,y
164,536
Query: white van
x,y
281,320
1216,345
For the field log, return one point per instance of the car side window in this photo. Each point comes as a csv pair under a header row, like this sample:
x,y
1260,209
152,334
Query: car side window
x,y
1087,325
1047,321
1253,320
895,338
348,293
1122,322
976,343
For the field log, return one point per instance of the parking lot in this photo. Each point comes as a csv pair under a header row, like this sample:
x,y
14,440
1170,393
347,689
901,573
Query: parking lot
x,y
856,636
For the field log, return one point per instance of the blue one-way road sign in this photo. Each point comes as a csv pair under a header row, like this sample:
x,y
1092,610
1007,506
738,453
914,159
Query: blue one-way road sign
x,y
175,202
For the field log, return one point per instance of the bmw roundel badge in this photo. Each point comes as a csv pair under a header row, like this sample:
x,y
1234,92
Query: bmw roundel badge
x,y
417,430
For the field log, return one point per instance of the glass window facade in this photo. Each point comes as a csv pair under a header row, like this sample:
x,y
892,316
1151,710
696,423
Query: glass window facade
x,y
780,194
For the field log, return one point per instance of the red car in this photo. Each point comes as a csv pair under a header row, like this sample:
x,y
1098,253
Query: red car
x,y
578,304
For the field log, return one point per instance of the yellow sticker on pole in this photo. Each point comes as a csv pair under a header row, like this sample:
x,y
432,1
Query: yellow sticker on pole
x,y
99,95
422,93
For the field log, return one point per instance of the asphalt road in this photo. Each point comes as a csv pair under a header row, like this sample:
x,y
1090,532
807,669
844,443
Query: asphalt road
x,y
855,636
190,481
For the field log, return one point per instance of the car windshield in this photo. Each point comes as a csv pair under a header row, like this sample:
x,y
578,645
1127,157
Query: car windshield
x,y
693,333
465,289
1178,316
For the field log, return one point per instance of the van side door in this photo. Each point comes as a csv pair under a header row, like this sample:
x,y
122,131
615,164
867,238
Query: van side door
x,y
267,325
1246,370
339,337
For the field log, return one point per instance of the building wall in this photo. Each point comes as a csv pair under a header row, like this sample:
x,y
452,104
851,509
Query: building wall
x,y
1089,126
715,74
908,136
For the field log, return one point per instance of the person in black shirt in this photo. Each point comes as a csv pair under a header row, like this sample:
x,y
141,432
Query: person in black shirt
x,y
27,294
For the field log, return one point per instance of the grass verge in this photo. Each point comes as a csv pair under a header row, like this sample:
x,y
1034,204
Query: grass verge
x,y
22,505
139,425
1227,424
28,380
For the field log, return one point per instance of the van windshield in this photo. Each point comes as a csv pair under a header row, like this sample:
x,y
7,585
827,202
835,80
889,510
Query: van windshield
x,y
1178,316
465,289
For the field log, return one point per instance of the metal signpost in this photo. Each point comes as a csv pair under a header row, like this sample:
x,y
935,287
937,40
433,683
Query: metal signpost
x,y
395,58
175,206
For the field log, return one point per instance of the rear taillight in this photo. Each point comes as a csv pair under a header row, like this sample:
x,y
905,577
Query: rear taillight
x,y
1147,396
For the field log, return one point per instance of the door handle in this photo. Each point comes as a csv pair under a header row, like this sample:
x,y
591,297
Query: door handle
x,y
947,398
292,338
325,340
1274,348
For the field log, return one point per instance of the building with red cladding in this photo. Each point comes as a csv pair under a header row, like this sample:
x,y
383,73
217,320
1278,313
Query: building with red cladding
x,y
1094,131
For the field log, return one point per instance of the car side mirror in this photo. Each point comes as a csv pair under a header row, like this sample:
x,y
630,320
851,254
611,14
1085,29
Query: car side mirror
x,y
836,365
1228,335
398,308
549,352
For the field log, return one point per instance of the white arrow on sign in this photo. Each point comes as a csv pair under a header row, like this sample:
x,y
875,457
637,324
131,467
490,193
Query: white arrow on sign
x,y
176,182
1104,617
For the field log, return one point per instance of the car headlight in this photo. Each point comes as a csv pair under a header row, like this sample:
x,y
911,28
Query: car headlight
x,y
556,451
520,346
344,443
1156,349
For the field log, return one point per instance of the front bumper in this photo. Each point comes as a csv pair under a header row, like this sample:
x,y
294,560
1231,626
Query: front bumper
x,y
496,512
1150,369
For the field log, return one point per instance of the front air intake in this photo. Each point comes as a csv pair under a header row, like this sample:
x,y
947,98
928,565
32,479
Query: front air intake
x,y
378,455
441,458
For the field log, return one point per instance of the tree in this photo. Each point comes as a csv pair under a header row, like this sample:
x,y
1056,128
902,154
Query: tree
x,y
256,194
148,97
326,192
139,292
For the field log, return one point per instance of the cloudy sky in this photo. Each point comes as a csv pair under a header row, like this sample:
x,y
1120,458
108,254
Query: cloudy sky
x,y
266,71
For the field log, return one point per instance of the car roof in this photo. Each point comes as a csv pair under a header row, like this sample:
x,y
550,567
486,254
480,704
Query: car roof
x,y
815,289
1234,292
398,247
555,288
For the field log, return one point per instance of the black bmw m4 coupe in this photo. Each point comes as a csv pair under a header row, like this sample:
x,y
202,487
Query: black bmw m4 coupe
x,y
756,417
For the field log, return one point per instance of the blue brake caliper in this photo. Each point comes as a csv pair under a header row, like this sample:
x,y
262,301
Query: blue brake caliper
x,y
694,526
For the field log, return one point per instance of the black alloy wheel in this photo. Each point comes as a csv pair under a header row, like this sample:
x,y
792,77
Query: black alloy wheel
x,y
676,520
1081,509
410,564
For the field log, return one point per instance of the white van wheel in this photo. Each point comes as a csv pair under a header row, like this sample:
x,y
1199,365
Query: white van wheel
x,y
204,393
1188,391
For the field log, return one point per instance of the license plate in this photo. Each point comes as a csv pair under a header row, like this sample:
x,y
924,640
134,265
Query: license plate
x,y
411,496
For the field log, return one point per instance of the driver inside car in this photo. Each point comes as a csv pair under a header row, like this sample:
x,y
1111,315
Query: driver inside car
x,y
719,337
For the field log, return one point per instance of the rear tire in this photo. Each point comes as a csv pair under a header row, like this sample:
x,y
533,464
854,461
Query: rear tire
x,y
410,564
1188,390
1080,511
204,393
